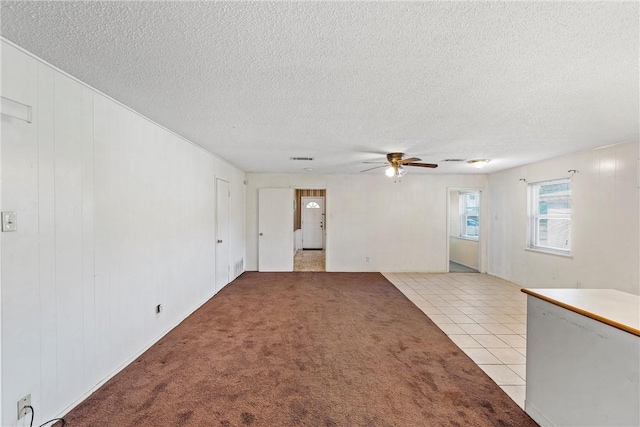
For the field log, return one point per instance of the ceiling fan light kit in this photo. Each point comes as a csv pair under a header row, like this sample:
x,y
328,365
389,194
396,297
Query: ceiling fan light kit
x,y
396,162
395,171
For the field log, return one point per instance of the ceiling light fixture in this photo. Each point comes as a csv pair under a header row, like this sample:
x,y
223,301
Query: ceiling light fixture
x,y
395,171
478,163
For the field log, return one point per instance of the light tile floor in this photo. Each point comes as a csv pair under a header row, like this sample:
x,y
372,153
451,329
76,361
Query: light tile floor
x,y
483,315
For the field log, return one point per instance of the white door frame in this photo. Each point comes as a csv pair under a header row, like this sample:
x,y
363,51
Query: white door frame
x,y
326,240
222,235
482,244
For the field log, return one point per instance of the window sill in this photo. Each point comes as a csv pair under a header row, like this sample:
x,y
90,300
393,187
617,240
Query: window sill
x,y
550,252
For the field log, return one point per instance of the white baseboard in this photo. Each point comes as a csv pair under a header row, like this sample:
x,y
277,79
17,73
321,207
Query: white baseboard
x,y
536,415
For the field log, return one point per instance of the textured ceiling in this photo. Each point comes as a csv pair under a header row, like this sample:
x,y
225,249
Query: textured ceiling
x,y
344,82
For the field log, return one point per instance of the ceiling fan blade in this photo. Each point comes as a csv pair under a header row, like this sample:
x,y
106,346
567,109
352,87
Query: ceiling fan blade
x,y
422,165
377,163
375,167
409,160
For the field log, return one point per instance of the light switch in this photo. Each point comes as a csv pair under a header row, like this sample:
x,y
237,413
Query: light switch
x,y
9,221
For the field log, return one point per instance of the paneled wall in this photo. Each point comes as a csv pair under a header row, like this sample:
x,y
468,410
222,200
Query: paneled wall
x,y
373,224
604,228
115,215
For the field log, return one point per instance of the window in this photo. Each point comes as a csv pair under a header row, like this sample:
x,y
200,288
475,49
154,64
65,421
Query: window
x,y
550,216
469,204
313,205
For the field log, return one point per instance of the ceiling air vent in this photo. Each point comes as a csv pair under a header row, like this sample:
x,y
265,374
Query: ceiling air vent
x,y
453,160
301,158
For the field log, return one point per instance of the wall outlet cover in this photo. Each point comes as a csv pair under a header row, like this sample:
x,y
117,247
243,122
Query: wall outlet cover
x,y
9,221
22,406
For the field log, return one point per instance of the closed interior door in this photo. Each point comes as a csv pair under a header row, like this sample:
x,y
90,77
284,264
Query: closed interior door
x,y
312,222
275,229
222,234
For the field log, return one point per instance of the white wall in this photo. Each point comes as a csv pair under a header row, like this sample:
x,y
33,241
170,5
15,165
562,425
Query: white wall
x,y
454,213
463,251
297,240
605,221
399,227
115,215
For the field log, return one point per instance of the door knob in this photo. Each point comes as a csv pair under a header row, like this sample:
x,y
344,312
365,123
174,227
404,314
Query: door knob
x,y
219,241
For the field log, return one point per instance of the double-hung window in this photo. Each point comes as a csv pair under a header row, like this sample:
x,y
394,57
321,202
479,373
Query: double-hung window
x,y
550,216
469,205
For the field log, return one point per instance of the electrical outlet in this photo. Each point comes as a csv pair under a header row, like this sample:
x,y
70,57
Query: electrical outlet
x,y
578,285
22,406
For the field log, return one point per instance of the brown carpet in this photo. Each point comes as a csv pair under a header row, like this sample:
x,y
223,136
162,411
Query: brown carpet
x,y
303,349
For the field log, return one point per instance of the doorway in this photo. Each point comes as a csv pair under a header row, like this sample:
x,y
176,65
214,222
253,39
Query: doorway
x,y
309,230
464,231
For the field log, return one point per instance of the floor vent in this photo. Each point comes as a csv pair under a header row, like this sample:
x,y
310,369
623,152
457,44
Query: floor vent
x,y
238,267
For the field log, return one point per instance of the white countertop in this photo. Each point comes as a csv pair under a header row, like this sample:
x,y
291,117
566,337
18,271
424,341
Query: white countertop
x,y
618,309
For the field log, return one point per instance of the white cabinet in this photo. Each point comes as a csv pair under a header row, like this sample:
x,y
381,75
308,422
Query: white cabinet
x,y
583,357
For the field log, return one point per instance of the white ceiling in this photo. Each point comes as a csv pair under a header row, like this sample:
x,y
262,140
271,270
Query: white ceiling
x,y
345,82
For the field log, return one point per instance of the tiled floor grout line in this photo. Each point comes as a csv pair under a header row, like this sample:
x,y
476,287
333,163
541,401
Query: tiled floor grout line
x,y
483,315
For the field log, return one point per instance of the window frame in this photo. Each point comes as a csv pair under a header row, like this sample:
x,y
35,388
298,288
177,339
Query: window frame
x,y
534,217
312,205
463,206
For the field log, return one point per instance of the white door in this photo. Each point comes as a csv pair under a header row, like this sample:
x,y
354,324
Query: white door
x,y
222,233
275,229
312,222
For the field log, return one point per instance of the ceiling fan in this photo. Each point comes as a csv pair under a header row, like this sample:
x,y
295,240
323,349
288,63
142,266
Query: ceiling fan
x,y
395,165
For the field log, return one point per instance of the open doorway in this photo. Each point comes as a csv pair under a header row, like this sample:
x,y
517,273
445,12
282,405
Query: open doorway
x,y
309,230
464,231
